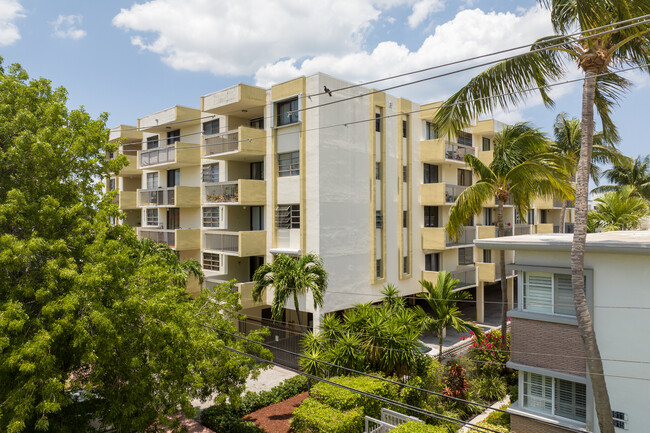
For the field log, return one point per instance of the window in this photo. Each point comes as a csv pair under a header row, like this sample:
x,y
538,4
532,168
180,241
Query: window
x,y
211,217
432,262
554,396
257,170
405,265
543,216
211,261
211,173
152,217
548,293
464,177
211,127
378,122
257,123
173,218
379,268
173,136
487,256
464,138
289,164
430,173
378,170
486,144
173,177
531,216
404,128
405,173
287,112
111,184
487,216
430,131
465,256
288,216
379,220
152,142
405,218
431,216
152,180
257,217
517,217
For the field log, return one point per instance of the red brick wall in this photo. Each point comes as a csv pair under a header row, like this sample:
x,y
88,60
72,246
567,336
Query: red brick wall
x,y
553,346
527,425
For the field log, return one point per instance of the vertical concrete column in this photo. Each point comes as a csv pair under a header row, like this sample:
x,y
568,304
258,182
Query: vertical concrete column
x,y
480,302
317,318
511,293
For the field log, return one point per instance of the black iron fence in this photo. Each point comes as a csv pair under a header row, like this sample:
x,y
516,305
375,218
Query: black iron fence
x,y
282,337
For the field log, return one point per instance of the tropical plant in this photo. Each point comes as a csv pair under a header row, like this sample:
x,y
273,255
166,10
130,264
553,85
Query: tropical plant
x,y
442,299
290,278
600,45
567,133
522,169
618,210
634,173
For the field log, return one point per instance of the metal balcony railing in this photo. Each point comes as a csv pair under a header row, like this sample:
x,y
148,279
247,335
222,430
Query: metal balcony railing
x,y
161,236
465,277
468,236
452,192
568,227
157,197
522,229
157,156
222,241
222,192
457,152
223,142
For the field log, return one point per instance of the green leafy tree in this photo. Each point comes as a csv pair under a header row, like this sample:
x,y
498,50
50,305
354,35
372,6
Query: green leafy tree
x,y
618,210
595,52
522,169
94,324
291,278
568,133
442,299
633,173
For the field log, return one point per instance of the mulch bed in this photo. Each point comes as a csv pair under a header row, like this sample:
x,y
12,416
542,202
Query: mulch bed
x,y
276,418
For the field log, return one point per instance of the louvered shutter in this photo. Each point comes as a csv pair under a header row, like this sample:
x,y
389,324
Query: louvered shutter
x,y
564,295
538,392
538,292
570,400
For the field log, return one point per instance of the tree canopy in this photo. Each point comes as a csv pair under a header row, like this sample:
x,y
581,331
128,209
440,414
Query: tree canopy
x,y
95,325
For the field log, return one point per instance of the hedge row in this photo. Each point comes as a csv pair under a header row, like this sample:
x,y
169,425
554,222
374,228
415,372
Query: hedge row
x,y
291,387
314,416
418,427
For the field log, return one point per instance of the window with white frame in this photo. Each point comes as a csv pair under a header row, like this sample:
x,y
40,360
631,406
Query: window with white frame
x,y
430,131
554,396
287,112
111,184
211,262
289,164
152,217
211,173
288,216
210,217
547,293
152,180
465,256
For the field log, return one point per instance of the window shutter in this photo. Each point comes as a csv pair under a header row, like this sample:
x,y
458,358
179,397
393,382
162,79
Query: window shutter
x,y
538,392
570,400
538,292
564,295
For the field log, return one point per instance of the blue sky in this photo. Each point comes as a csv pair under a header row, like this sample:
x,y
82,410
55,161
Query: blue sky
x,y
131,59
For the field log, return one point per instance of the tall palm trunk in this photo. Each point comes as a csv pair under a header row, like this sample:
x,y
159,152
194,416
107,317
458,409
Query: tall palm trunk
x,y
295,303
502,272
585,323
563,216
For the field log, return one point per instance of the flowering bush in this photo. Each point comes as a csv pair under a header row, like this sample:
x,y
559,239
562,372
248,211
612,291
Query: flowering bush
x,y
486,350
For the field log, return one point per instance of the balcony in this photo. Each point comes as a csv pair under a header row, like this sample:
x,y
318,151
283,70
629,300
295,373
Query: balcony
x,y
431,276
452,192
466,238
247,192
543,203
241,144
159,122
132,168
486,156
178,155
125,133
441,150
242,98
127,200
432,194
465,277
177,196
487,272
543,228
433,238
178,239
558,203
246,295
522,229
486,232
240,244
568,228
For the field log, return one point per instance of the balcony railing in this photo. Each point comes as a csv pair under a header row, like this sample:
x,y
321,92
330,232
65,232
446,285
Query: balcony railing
x,y
161,236
468,236
568,228
452,192
457,152
522,229
558,203
157,156
223,192
221,143
465,277
222,241
157,197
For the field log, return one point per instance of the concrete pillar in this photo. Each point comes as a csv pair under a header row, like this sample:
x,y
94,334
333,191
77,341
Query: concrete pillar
x,y
511,293
480,302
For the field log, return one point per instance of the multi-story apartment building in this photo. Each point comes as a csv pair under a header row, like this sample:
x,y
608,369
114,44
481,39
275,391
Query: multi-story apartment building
x,y
555,393
359,177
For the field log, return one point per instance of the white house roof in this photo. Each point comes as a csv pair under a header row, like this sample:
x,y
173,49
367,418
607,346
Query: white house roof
x,y
630,242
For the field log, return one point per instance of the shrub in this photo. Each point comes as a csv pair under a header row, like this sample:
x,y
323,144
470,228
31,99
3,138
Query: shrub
x,y
416,427
499,418
224,419
489,388
513,391
413,397
314,416
434,376
343,399
456,385
487,349
291,387
496,427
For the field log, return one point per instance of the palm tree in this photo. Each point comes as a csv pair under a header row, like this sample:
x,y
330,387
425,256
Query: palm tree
x,y
442,299
635,173
291,277
567,133
522,169
618,210
181,270
508,83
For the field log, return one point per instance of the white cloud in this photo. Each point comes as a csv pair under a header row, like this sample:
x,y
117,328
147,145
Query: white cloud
x,y
10,10
67,26
423,9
